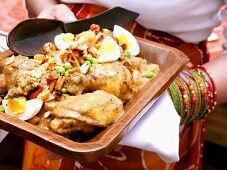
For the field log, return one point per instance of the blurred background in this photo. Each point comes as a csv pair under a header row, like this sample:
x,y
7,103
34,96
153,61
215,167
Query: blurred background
x,y
215,147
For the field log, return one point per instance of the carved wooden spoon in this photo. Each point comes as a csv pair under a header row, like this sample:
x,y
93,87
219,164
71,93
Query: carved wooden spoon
x,y
29,36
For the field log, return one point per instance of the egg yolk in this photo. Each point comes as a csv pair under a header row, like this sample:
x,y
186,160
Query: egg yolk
x,y
16,106
123,41
68,37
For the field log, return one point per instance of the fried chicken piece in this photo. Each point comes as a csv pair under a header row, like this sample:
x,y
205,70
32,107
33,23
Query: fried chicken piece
x,y
77,83
85,111
139,68
66,126
42,119
22,75
114,78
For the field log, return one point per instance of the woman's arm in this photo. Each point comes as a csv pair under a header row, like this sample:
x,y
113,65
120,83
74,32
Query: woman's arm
x,y
218,69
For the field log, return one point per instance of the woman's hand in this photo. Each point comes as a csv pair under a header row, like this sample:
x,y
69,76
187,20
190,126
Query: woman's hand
x,y
59,12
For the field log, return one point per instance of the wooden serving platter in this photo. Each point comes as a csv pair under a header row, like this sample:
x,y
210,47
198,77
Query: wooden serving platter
x,y
171,62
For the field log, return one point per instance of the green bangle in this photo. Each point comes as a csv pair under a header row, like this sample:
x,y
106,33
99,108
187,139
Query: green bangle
x,y
177,98
204,107
180,98
188,106
194,92
174,99
198,100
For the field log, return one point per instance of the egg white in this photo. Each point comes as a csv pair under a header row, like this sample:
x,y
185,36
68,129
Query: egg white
x,y
60,43
124,35
33,106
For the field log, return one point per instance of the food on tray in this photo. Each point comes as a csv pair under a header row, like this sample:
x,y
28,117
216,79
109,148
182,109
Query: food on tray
x,y
82,112
79,83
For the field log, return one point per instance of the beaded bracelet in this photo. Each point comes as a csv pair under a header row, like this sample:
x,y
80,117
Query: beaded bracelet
x,y
186,98
212,94
201,93
204,93
177,98
195,94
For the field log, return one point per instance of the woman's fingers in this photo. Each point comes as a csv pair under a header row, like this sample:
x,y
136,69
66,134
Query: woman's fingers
x,y
59,12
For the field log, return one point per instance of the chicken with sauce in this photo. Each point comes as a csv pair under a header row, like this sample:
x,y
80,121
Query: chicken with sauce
x,y
139,68
82,112
114,78
21,75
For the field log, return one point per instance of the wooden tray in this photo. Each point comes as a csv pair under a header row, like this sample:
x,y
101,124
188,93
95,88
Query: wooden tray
x,y
171,62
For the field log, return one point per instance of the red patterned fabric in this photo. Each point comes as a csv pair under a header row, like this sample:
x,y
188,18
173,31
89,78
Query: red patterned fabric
x,y
191,135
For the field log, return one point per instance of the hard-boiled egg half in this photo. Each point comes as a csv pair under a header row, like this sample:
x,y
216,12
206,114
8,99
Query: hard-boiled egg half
x,y
21,107
63,40
125,38
109,50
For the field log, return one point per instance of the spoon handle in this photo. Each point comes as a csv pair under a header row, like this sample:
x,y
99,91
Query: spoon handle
x,y
115,16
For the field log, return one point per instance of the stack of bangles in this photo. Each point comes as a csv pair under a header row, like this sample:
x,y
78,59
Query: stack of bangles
x,y
193,93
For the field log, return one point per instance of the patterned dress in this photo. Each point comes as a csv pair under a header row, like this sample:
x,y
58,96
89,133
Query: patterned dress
x,y
191,135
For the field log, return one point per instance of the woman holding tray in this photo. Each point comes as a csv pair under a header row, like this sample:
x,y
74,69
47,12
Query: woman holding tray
x,y
184,25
